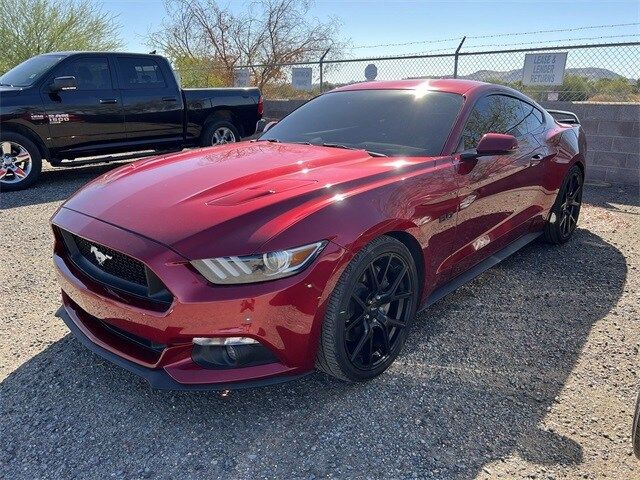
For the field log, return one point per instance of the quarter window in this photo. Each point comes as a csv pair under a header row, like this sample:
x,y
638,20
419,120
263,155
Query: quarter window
x,y
532,117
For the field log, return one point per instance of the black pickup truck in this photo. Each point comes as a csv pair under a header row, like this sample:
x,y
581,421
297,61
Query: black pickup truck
x,y
85,105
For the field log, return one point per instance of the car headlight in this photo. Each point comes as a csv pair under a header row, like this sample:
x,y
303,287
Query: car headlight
x,y
258,268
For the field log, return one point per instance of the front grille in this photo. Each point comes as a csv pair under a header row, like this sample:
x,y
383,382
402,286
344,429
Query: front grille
x,y
121,273
115,263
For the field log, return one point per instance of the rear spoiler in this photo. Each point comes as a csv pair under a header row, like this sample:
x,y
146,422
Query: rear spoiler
x,y
566,117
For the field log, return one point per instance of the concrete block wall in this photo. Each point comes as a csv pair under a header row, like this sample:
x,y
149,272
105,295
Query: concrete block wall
x,y
613,139
612,129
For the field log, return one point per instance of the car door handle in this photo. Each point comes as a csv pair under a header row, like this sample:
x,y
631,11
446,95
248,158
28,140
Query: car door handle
x,y
108,100
169,99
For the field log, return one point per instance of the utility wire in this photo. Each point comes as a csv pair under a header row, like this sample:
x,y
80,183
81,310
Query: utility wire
x,y
533,44
442,40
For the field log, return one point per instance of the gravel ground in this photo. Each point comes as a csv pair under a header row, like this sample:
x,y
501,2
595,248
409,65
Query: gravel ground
x,y
529,371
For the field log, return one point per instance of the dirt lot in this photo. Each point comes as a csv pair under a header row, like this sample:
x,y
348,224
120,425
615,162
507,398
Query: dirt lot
x,y
529,371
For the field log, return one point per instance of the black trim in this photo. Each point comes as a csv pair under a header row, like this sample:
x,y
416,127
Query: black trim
x,y
216,357
159,378
478,269
156,348
148,288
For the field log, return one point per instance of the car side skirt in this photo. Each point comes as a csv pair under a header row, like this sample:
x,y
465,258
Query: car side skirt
x,y
478,269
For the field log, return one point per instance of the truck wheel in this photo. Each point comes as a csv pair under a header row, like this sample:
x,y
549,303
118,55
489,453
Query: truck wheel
x,y
20,162
219,133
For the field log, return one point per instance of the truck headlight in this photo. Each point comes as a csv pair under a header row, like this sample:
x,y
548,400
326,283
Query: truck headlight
x,y
258,268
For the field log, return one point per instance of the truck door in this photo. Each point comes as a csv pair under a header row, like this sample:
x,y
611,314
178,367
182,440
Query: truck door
x,y
153,107
90,117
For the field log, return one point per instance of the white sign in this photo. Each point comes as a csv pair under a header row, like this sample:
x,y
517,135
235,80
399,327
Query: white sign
x,y
241,77
301,78
544,68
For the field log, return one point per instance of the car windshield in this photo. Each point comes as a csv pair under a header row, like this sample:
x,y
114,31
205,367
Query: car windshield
x,y
386,122
29,71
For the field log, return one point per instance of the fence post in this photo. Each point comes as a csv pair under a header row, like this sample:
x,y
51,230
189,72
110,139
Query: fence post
x,y
321,68
455,59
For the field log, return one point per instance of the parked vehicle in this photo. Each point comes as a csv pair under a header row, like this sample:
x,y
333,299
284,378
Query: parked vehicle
x,y
70,105
314,246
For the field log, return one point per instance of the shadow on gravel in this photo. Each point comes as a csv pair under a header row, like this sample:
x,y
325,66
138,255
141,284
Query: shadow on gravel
x,y
55,185
479,372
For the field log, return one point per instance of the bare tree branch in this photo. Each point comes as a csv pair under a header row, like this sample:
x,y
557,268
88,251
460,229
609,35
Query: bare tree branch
x,y
267,32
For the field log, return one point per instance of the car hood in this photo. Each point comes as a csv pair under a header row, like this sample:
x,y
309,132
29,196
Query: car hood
x,y
225,200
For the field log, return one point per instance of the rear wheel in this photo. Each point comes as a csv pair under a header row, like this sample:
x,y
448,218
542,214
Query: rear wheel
x,y
20,162
564,214
369,311
219,132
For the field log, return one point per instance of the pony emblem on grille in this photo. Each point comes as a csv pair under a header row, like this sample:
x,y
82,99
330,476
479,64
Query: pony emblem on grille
x,y
100,257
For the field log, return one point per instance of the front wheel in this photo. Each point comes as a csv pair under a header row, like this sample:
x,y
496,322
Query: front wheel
x,y
563,217
369,311
219,133
20,162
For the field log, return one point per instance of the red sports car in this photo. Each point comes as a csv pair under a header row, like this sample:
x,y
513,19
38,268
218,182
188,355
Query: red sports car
x,y
313,246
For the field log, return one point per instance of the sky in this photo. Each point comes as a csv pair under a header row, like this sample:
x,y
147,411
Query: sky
x,y
369,22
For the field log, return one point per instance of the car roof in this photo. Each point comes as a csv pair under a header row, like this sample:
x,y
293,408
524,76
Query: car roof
x,y
449,85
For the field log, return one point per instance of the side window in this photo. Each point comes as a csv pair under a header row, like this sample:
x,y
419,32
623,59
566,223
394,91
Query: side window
x,y
90,73
495,114
532,117
139,73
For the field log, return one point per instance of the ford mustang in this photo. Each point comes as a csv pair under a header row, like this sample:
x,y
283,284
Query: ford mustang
x,y
314,246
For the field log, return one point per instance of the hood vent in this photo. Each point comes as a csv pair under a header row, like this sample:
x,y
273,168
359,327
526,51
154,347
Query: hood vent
x,y
259,191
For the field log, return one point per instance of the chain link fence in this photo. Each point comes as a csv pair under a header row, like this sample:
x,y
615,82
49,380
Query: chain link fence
x,y
607,72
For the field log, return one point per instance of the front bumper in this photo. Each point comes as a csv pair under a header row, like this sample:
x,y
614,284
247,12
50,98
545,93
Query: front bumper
x,y
159,378
285,315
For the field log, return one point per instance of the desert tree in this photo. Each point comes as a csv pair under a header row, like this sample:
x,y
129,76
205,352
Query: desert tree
x,y
207,35
32,27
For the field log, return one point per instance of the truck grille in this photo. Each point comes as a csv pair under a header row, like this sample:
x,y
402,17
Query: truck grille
x,y
126,278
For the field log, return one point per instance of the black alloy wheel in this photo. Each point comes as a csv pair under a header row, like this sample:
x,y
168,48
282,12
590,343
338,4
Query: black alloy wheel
x,y
369,311
571,204
563,218
378,311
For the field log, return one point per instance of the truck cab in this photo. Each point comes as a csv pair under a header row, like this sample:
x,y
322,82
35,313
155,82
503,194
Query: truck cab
x,y
77,105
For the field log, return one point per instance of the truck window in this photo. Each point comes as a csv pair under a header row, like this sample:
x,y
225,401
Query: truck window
x,y
90,73
139,73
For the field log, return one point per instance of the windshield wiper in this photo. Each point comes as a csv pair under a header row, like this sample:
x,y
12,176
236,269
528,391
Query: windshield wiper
x,y
272,140
346,147
6,85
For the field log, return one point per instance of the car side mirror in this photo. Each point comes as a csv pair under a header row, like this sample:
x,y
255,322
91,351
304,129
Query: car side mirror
x,y
492,144
64,83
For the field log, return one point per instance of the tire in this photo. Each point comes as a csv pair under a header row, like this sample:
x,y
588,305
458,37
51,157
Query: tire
x,y
212,133
18,156
357,313
564,214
